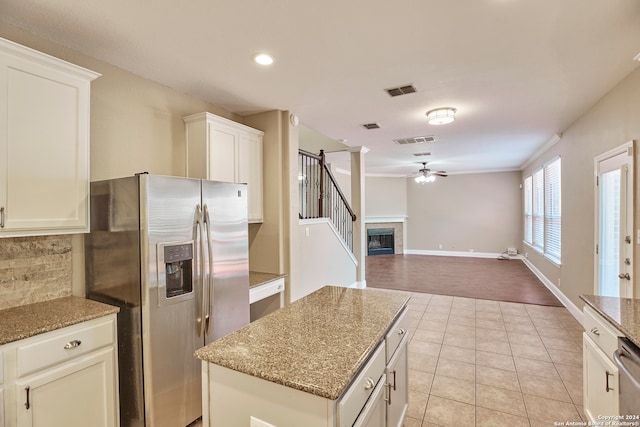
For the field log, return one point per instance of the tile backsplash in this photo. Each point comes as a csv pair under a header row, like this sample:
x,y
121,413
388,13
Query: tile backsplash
x,y
34,269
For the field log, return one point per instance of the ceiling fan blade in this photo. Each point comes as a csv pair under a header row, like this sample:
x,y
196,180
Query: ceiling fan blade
x,y
440,173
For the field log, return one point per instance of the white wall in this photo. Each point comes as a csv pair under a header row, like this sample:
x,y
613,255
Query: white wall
x,y
323,259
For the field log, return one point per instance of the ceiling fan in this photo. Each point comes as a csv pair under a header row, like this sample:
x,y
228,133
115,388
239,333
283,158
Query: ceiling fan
x,y
428,175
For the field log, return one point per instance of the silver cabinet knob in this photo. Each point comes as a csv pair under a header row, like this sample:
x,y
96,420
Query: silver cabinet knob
x,y
401,331
72,344
369,384
624,276
595,331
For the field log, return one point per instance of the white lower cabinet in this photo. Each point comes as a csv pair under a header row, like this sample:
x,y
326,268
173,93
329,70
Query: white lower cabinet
x,y
398,383
64,378
1,390
600,382
600,374
374,414
397,371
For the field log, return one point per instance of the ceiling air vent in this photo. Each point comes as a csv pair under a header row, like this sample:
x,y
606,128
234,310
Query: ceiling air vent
x,y
415,140
371,126
402,90
421,154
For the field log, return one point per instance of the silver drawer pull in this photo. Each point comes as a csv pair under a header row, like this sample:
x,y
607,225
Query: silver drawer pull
x,y
401,331
595,331
369,384
72,344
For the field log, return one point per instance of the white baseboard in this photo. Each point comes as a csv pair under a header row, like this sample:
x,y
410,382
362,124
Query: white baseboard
x,y
569,305
453,253
359,285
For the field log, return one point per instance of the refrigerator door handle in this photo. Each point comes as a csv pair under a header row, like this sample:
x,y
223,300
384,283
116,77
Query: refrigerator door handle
x,y
207,221
201,267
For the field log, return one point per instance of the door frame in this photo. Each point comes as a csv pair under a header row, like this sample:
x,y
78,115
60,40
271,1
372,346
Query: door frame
x,y
629,149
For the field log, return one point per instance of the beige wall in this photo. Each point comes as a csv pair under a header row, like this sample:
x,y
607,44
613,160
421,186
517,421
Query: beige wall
x,y
612,121
312,141
386,197
479,212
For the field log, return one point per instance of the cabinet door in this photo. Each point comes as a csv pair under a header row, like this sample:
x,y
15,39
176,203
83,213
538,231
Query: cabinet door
x,y
222,153
77,394
250,172
374,413
398,379
44,169
1,407
600,378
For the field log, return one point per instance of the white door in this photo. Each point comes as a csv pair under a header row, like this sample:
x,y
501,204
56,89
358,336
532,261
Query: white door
x,y
614,222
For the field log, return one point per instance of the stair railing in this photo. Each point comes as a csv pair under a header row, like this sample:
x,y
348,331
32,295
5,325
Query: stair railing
x,y
320,195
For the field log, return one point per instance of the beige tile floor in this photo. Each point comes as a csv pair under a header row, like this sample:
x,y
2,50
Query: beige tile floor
x,y
477,362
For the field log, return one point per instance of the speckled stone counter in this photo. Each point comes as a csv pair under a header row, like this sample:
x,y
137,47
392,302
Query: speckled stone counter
x,y
29,320
317,344
622,313
257,278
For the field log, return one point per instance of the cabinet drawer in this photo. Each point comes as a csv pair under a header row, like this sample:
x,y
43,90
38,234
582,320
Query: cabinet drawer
x,y
265,290
362,387
1,367
396,333
600,331
63,345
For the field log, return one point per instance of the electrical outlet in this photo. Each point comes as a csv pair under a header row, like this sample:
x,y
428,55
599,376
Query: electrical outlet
x,y
440,245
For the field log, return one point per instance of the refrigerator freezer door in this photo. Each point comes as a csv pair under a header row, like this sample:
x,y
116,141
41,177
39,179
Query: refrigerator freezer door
x,y
170,328
226,205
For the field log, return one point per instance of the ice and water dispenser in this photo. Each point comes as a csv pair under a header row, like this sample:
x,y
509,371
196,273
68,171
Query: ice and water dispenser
x,y
175,271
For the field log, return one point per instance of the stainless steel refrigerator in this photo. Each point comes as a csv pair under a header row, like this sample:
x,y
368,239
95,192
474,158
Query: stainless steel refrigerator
x,y
172,253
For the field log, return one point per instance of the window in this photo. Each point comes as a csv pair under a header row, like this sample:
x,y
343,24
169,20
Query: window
x,y
528,210
542,210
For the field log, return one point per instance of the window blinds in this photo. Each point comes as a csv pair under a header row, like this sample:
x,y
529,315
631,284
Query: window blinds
x,y
538,209
528,210
552,209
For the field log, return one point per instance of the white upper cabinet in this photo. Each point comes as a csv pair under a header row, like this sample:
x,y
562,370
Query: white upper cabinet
x,y
223,150
44,165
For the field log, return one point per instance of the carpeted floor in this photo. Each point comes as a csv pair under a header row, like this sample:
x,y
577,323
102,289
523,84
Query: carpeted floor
x,y
483,278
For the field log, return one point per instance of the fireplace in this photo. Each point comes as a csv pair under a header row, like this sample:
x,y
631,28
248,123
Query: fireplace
x,y
380,241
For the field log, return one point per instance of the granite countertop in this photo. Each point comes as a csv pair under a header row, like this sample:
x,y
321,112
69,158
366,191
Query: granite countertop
x,y
317,344
622,313
257,278
29,320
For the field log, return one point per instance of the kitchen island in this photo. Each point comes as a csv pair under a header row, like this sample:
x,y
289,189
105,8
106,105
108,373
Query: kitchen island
x,y
328,359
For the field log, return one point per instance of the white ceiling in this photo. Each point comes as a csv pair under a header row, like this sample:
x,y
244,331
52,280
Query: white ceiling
x,y
518,71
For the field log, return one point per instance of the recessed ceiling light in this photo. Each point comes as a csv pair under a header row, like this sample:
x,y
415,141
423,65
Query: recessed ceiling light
x,y
264,59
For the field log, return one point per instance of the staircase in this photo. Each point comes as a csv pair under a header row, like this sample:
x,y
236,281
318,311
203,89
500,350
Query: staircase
x,y
321,197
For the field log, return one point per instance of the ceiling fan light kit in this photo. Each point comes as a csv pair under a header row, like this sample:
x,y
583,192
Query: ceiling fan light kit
x,y
441,116
423,179
428,175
